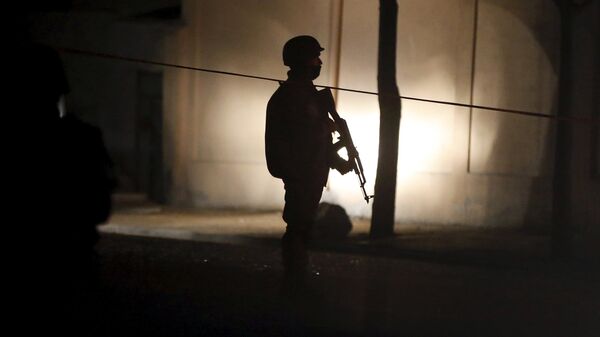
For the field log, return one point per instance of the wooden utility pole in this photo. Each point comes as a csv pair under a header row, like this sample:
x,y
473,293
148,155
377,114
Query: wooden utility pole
x,y
561,229
382,221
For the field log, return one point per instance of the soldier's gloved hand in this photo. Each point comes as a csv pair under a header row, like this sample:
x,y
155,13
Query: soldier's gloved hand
x,y
343,166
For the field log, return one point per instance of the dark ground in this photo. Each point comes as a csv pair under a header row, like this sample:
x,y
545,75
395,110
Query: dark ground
x,y
165,287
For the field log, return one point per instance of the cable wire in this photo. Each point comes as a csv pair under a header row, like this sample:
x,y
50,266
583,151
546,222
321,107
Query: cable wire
x,y
585,119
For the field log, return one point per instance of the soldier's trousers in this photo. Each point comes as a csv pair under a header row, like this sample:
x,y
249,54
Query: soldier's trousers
x,y
301,203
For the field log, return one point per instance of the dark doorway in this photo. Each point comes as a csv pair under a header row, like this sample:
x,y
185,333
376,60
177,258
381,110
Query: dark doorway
x,y
148,138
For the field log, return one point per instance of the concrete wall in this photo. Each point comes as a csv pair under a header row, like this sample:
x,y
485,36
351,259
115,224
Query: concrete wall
x,y
216,122
456,166
443,178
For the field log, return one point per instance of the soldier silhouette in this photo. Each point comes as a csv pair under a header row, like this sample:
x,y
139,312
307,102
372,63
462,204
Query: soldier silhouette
x,y
299,150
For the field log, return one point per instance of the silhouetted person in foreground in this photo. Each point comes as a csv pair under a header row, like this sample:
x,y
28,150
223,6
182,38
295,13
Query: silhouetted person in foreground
x,y
67,183
299,150
73,176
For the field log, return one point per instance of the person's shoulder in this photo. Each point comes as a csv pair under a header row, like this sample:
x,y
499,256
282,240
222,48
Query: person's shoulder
x,y
279,96
289,92
285,89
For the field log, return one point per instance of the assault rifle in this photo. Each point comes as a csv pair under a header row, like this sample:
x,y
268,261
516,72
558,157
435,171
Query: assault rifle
x,y
345,139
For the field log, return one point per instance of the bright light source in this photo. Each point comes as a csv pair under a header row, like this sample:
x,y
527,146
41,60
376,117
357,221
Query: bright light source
x,y
425,143
422,142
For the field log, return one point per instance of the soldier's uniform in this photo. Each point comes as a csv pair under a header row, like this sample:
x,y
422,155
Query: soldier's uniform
x,y
298,145
299,150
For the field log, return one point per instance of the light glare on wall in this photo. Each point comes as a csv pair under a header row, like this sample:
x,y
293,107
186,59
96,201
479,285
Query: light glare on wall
x,y
423,147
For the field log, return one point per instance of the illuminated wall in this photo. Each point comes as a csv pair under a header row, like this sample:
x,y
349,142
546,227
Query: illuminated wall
x,y
456,166
216,123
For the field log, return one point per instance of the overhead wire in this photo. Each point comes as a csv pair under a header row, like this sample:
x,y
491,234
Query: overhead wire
x,y
581,119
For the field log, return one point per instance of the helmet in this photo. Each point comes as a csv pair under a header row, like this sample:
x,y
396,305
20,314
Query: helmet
x,y
300,49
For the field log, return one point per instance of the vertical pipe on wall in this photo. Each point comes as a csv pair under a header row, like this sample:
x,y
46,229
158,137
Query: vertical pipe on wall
x,y
337,16
472,89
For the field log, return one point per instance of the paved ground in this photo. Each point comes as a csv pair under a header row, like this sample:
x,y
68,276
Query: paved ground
x,y
165,287
140,218
182,273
